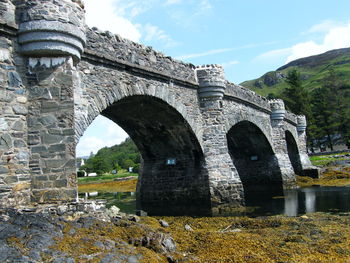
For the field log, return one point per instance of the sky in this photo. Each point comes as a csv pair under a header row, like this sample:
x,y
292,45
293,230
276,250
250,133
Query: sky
x,y
247,37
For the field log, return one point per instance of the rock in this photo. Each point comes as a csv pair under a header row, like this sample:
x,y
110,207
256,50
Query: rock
x,y
113,211
163,223
133,218
188,228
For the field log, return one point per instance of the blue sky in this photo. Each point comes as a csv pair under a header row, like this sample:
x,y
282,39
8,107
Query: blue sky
x,y
247,37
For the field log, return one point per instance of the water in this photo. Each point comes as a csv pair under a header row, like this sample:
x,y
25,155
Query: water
x,y
126,201
294,202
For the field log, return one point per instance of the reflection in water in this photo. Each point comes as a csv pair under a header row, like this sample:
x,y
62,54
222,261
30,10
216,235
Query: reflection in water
x,y
126,201
290,202
293,203
310,200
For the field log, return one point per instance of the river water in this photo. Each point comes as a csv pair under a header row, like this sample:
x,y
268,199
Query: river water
x,y
294,202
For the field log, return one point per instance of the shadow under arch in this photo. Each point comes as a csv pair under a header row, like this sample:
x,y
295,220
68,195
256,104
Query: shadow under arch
x,y
255,162
293,153
173,180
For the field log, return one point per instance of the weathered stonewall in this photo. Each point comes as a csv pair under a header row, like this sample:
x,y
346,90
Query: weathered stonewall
x,y
204,142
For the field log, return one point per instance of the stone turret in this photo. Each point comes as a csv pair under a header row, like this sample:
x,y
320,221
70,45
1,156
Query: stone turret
x,y
278,111
50,28
211,80
301,123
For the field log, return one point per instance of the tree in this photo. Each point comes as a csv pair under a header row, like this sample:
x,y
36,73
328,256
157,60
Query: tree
x,y
331,108
128,163
296,97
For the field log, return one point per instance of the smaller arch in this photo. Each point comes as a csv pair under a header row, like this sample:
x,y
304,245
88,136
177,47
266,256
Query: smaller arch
x,y
293,153
255,161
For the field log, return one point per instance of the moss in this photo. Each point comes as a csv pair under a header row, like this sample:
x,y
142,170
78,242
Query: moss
x,y
273,239
82,241
17,243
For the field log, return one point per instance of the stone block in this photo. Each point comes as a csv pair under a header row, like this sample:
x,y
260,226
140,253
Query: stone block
x,y
48,120
20,109
10,179
33,139
14,80
5,142
49,106
38,149
51,139
3,124
57,148
19,143
3,170
60,183
54,163
18,126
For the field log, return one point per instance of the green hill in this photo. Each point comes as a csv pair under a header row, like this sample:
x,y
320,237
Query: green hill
x,y
313,71
121,156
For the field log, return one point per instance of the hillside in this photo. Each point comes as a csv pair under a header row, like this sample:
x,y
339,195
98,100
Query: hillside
x,y
313,70
121,156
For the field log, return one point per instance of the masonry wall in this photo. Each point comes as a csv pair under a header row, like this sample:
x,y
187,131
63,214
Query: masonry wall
x,y
14,154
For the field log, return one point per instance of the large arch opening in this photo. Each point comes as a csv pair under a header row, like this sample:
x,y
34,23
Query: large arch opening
x,y
293,153
255,162
172,178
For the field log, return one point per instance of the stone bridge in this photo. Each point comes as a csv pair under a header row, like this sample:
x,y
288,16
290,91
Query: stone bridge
x,y
206,144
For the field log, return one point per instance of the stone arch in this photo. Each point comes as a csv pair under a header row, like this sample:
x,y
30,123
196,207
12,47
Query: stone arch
x,y
293,153
173,179
91,102
263,122
254,159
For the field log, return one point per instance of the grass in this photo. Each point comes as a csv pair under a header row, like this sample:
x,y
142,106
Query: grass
x,y
104,178
324,160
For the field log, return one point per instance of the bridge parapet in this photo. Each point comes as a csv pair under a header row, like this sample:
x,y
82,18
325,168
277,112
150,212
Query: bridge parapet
x,y
115,47
247,95
291,118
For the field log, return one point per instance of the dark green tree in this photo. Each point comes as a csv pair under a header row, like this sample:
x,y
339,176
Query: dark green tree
x,y
297,99
295,96
331,108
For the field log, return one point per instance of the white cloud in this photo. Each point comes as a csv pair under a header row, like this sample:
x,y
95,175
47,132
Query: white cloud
x,y
337,36
91,142
205,53
334,36
229,63
154,33
221,50
322,27
274,54
173,2
106,15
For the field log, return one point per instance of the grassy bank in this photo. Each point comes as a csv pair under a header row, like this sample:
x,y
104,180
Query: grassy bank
x,y
324,160
105,177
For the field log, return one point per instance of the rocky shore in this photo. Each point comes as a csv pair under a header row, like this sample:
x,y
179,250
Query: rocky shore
x,y
112,236
81,237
